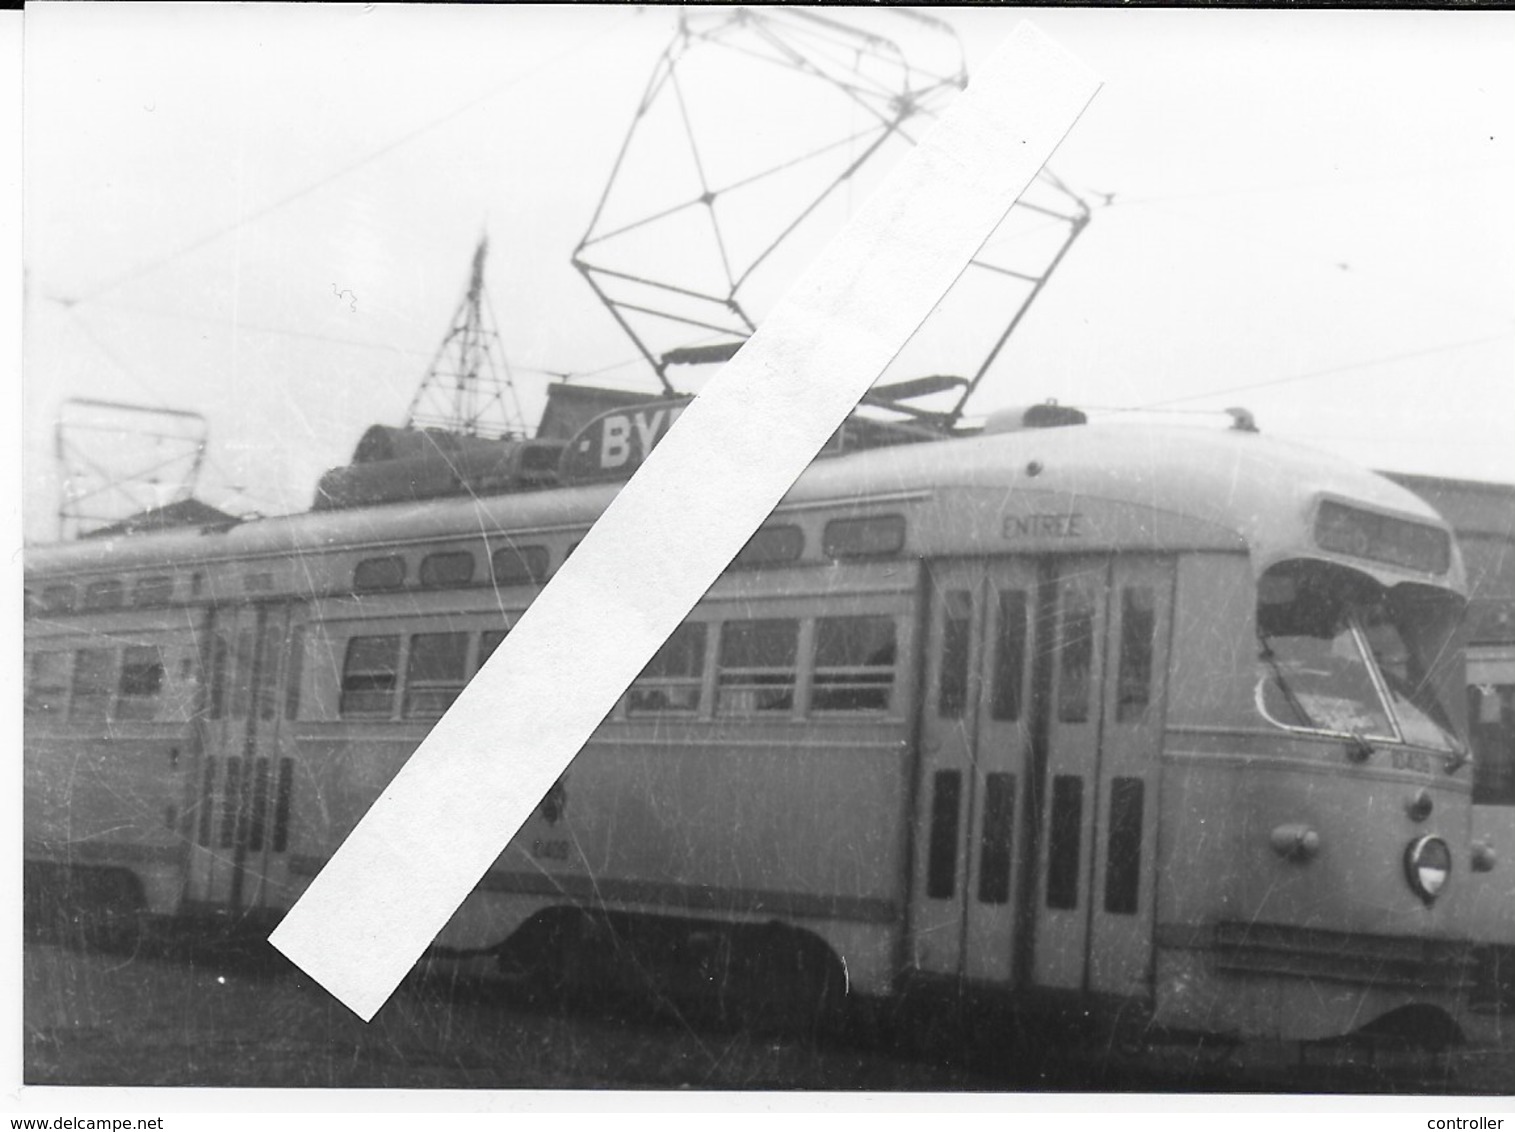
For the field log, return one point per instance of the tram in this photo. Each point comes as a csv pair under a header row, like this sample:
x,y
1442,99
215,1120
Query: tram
x,y
1166,722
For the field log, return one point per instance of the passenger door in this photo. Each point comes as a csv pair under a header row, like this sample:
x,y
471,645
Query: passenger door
x,y
975,746
1040,735
239,828
1107,620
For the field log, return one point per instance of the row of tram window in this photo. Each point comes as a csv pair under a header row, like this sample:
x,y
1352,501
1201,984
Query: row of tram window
x,y
792,667
1074,652
1333,659
105,595
513,564
747,667
853,670
774,544
737,667
133,683
1336,656
756,671
94,684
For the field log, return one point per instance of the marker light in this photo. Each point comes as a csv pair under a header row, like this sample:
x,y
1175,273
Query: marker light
x,y
1484,858
1428,864
1419,806
1295,842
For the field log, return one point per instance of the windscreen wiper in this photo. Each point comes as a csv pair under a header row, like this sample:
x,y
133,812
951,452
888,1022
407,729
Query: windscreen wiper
x,y
1271,658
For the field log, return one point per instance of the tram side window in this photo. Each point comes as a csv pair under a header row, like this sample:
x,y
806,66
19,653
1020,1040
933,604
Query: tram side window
x,y
519,565
141,682
387,573
1076,648
57,599
757,666
952,684
153,591
1137,625
268,676
1009,657
1491,711
870,537
435,673
672,681
296,672
241,680
218,658
105,594
489,640
1123,846
447,568
769,546
854,664
180,688
47,683
369,674
92,684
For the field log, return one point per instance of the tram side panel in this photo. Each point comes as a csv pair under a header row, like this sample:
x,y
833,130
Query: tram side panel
x,y
1282,903
107,753
758,771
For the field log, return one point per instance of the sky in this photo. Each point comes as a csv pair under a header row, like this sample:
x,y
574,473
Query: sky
x,y
265,214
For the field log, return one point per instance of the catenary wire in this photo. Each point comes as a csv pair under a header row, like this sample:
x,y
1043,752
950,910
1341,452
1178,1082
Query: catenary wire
x,y
259,213
1332,370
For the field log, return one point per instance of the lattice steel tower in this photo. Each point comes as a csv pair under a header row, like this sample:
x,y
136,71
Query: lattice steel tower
x,y
468,388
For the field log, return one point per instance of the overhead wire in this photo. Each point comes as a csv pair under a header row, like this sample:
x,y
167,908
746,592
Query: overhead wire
x,y
1331,370
116,360
1118,200
72,304
262,211
289,198
256,328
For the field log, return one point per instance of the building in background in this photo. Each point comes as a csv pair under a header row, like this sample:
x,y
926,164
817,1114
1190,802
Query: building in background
x,y
1483,515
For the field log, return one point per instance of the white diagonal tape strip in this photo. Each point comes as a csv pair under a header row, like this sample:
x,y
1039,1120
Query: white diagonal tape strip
x,y
676,525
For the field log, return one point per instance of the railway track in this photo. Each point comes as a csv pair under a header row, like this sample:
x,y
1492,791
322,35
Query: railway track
x,y
185,1012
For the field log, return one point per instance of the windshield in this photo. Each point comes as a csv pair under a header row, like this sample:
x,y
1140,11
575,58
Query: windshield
x,y
1334,657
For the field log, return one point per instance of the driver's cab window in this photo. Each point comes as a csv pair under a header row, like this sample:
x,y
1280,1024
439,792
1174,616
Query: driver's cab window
x,y
1337,655
1421,718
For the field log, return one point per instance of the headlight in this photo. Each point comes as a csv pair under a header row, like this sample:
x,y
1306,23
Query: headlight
x,y
1428,864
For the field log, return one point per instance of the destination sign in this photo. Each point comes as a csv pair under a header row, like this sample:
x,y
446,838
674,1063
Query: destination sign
x,y
1382,538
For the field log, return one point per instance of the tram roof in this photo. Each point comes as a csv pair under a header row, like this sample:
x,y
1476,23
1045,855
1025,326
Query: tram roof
x,y
1262,490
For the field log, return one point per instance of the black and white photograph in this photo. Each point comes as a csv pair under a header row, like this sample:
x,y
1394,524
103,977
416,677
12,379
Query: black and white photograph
x,y
1052,627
